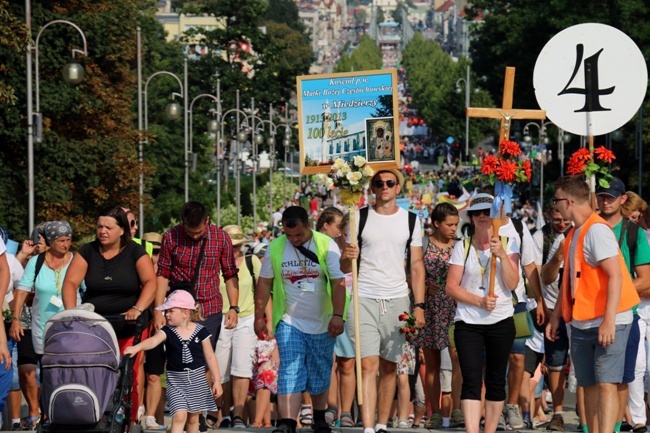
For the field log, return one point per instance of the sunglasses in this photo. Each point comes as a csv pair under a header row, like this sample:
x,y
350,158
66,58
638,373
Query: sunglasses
x,y
133,223
485,212
380,183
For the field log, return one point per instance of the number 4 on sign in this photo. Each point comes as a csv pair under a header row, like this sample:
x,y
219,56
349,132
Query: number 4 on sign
x,y
506,113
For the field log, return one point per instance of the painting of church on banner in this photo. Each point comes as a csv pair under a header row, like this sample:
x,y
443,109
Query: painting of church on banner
x,y
346,115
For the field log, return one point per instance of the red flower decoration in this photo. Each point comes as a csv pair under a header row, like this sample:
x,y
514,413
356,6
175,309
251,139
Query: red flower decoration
x,y
510,149
578,162
604,154
507,170
490,164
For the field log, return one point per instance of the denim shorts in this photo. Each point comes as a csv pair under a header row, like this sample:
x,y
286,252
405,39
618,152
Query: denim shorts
x,y
518,346
631,350
556,351
305,360
595,364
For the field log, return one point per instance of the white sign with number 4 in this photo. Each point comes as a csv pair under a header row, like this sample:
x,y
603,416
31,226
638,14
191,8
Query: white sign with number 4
x,y
590,78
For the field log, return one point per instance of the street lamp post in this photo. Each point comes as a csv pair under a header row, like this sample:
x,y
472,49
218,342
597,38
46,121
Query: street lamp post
x,y
240,137
173,112
458,90
73,73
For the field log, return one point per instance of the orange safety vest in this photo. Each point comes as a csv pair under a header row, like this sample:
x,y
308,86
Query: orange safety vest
x,y
590,283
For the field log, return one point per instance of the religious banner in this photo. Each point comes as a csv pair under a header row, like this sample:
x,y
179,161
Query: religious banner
x,y
346,115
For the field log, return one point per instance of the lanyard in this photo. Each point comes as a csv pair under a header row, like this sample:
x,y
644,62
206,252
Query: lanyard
x,y
483,269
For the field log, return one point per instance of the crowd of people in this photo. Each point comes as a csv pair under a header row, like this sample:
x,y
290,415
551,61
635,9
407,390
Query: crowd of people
x,y
258,329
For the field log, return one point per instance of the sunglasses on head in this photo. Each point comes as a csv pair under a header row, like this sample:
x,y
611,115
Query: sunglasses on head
x,y
380,183
133,223
485,212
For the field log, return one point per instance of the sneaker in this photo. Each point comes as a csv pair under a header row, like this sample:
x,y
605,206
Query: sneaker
x,y
403,423
381,430
16,427
501,426
321,427
225,423
557,423
203,426
513,417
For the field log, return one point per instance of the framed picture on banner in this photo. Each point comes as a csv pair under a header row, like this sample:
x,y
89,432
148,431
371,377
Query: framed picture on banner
x,y
345,115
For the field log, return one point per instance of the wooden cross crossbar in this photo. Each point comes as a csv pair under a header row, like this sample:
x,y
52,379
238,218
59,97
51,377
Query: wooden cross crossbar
x,y
506,113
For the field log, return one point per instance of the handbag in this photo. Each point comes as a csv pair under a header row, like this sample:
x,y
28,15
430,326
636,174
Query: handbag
x,y
524,324
188,286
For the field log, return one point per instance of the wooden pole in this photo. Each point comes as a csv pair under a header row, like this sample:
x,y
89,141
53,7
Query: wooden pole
x,y
496,225
352,209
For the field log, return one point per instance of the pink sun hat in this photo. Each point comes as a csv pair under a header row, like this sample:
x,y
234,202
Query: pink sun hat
x,y
178,299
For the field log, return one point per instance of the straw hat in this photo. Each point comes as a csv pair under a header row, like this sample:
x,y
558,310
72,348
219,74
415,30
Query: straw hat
x,y
398,175
236,235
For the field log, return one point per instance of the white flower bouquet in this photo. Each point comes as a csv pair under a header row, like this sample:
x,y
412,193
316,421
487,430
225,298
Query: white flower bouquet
x,y
350,177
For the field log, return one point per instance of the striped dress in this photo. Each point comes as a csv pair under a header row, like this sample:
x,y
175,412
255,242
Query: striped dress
x,y
187,386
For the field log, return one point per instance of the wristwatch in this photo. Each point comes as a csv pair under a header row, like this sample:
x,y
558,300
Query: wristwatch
x,y
421,305
234,307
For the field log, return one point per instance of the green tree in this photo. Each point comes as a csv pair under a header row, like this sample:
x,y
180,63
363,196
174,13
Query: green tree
x,y
365,57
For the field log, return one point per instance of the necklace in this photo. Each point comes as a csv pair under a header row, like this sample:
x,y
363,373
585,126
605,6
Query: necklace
x,y
58,272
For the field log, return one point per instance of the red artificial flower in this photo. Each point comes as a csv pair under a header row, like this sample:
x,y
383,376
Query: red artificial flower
x,y
510,149
577,163
403,316
506,171
405,330
604,154
528,169
490,164
412,330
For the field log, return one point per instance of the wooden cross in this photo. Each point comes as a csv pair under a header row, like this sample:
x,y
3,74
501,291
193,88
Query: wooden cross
x,y
506,113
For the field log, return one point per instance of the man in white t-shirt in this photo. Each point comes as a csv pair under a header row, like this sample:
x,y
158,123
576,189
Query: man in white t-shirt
x,y
550,246
302,267
384,295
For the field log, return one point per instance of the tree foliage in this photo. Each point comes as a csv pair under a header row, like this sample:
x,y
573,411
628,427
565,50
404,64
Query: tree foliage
x,y
365,57
432,77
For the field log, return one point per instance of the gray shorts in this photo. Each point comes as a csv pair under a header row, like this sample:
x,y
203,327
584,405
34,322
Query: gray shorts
x,y
379,327
595,364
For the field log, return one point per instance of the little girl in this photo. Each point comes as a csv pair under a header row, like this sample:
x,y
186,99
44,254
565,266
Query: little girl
x,y
188,352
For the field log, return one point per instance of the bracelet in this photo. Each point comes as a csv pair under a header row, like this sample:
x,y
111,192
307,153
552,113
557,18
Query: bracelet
x,y
337,315
136,308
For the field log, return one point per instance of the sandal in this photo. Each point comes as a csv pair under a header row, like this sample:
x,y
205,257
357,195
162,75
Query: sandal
x,y
457,418
331,416
306,418
211,421
238,422
435,422
346,419
30,423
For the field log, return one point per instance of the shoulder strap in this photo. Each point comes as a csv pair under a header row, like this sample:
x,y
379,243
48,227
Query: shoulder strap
x,y
632,236
40,259
519,226
249,265
363,217
412,220
198,262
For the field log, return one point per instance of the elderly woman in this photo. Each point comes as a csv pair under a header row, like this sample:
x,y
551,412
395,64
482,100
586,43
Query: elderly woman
x,y
484,327
118,275
43,277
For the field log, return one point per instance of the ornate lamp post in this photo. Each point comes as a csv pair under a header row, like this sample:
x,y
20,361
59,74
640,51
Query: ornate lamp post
x,y
173,111
458,90
73,74
240,137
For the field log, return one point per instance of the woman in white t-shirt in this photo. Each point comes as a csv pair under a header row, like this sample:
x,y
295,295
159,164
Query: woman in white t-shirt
x,y
484,327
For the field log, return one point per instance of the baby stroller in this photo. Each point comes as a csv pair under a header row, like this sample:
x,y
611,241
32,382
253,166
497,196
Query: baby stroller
x,y
85,386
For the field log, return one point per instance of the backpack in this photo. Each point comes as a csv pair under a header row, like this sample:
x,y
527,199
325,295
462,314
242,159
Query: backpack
x,y
363,217
549,238
249,264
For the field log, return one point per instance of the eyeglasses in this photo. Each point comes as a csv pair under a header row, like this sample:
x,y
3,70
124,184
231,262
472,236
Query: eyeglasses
x,y
555,200
133,223
485,212
380,183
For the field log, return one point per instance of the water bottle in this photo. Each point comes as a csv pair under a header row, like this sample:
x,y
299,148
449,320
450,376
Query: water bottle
x,y
119,416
